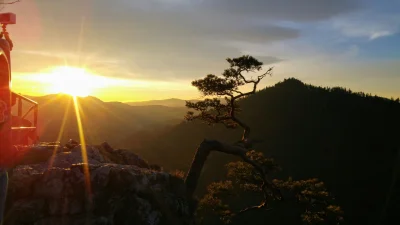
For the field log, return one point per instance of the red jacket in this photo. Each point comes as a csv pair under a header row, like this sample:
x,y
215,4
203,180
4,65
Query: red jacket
x,y
6,151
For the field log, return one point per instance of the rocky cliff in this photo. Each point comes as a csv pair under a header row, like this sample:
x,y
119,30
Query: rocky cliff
x,y
51,184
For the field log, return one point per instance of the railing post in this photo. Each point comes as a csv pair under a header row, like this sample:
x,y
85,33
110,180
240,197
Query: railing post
x,y
17,133
35,116
19,107
19,111
3,192
35,123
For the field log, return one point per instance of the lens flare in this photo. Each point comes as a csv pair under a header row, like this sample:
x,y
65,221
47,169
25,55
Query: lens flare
x,y
60,133
83,148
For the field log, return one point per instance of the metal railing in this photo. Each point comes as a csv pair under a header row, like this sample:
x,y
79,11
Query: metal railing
x,y
21,132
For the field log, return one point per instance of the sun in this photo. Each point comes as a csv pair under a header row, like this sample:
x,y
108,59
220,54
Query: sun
x,y
77,82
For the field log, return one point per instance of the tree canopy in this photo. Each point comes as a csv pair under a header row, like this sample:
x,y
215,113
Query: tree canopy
x,y
227,86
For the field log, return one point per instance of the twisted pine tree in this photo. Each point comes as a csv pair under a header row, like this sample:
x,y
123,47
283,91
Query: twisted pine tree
x,y
212,111
251,174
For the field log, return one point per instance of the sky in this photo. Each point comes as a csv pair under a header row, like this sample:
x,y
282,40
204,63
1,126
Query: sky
x,y
153,49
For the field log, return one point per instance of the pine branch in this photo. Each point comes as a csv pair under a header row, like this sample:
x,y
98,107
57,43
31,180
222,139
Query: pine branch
x,y
212,111
206,147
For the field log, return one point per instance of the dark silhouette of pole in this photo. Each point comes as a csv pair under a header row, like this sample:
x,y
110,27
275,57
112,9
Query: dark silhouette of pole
x,y
3,192
391,195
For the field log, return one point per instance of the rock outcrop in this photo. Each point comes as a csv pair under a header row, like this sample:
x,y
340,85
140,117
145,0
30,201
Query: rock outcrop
x,y
111,187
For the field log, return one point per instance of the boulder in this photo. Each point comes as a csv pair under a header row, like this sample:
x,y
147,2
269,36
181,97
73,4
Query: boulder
x,y
54,152
122,156
36,153
71,144
75,156
130,158
66,189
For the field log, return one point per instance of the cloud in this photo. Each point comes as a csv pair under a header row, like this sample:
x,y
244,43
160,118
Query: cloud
x,y
288,10
175,39
25,61
155,39
378,34
370,25
46,54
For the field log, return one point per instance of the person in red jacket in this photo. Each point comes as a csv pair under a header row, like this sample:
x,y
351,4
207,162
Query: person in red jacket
x,y
5,120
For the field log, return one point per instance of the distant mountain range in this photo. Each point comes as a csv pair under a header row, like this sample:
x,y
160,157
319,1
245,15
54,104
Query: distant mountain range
x,y
102,121
172,102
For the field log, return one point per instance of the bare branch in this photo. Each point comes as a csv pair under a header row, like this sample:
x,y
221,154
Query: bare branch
x,y
246,128
10,3
246,132
257,207
244,78
255,83
237,92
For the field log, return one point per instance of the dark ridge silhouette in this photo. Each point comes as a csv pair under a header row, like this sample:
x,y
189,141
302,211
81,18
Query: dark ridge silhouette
x,y
348,140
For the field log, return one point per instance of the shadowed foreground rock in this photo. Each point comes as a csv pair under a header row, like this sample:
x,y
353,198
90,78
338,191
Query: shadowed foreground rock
x,y
56,192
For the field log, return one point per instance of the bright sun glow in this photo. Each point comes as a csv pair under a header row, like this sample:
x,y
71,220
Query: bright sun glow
x,y
73,81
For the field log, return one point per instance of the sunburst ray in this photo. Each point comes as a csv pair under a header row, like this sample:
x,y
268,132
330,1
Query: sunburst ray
x,y
60,133
83,148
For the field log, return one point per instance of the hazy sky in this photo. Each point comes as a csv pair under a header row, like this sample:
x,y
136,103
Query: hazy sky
x,y
155,48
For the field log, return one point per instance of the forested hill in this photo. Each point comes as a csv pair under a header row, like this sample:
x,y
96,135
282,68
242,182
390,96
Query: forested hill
x,y
348,140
